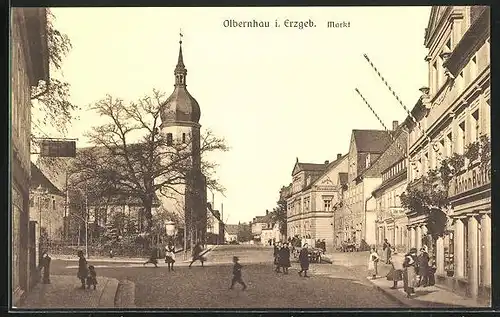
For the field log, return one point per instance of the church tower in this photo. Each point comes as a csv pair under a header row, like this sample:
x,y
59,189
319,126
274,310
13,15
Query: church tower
x,y
180,115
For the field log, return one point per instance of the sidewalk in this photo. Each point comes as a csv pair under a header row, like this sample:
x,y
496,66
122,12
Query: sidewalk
x,y
65,292
431,296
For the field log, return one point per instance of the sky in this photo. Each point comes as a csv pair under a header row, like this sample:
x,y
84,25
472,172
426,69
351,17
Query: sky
x,y
274,94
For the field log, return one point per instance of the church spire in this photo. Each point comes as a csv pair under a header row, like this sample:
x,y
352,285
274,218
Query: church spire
x,y
180,69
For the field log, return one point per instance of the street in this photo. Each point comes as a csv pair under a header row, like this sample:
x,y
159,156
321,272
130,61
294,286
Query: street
x,y
330,286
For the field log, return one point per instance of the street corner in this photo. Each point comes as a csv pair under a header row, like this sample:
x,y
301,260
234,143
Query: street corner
x,y
125,294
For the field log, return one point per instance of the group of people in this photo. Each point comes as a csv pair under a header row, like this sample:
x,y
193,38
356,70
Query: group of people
x,y
414,269
282,258
86,273
170,252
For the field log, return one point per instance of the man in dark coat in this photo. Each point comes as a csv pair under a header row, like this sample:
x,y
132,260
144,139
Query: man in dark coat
x,y
197,254
284,258
304,260
153,258
423,268
276,255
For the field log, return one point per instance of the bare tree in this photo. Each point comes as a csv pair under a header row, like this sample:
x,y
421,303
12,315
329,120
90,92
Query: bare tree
x,y
132,154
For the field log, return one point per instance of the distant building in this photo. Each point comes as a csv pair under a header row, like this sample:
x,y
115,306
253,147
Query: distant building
x,y
366,147
29,65
47,205
316,189
387,219
215,226
231,233
264,228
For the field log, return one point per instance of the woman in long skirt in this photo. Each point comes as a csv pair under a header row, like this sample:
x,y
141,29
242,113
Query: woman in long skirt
x,y
83,270
170,257
410,275
373,263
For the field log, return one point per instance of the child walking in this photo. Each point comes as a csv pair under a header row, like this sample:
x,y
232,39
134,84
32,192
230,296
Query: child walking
x,y
237,274
92,277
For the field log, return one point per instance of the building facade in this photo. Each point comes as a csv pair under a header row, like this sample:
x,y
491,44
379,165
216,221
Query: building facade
x,y
231,233
365,148
316,189
391,219
454,113
29,65
47,205
215,226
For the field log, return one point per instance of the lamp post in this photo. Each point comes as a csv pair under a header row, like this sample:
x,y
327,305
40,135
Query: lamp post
x,y
170,229
40,192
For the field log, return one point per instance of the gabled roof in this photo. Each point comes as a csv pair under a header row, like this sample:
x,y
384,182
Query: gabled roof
x,y
39,179
327,168
308,167
371,141
391,155
231,229
263,219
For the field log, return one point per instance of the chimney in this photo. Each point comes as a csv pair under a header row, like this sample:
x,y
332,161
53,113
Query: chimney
x,y
394,125
327,162
339,156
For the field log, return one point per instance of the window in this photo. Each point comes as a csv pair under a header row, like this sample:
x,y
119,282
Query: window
x,y
440,74
32,202
434,76
169,139
327,203
449,144
475,126
426,162
53,204
461,138
184,138
460,81
368,160
473,68
448,45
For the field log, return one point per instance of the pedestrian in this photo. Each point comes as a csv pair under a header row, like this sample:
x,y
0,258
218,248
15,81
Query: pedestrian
x,y
323,245
237,274
276,254
153,258
373,263
45,265
386,248
284,258
432,272
423,267
170,256
409,274
304,260
83,270
397,261
197,255
92,277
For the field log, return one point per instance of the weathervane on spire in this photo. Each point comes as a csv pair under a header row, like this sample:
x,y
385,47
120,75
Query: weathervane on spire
x,y
180,36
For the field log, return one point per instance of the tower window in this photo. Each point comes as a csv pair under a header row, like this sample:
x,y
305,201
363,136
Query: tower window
x,y
169,139
184,138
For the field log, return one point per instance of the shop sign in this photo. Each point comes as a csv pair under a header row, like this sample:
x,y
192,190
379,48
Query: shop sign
x,y
471,179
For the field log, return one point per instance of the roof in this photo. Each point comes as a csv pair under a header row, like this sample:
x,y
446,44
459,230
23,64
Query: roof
x,y
231,229
308,167
39,179
391,155
263,219
328,167
180,106
371,141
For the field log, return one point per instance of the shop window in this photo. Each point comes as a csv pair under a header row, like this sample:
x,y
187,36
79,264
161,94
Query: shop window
x,y
449,256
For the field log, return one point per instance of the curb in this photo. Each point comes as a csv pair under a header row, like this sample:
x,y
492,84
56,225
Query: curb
x,y
390,295
107,298
125,295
